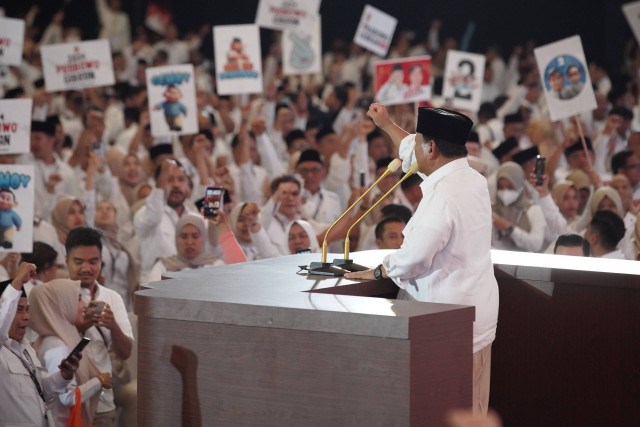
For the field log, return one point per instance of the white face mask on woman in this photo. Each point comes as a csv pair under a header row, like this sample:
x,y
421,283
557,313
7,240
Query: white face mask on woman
x,y
508,196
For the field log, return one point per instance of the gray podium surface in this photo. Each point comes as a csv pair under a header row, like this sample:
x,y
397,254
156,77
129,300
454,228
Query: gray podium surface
x,y
257,344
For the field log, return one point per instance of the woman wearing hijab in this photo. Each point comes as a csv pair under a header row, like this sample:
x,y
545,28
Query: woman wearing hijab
x,y
191,236
301,237
66,215
56,307
518,225
254,241
119,268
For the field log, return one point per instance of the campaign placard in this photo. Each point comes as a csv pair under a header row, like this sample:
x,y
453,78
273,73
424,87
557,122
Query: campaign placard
x,y
15,125
632,13
238,59
172,100
565,78
11,41
375,30
403,80
463,77
286,14
16,208
302,49
77,65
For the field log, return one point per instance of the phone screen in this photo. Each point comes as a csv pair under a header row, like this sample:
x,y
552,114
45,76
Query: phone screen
x,y
213,200
540,165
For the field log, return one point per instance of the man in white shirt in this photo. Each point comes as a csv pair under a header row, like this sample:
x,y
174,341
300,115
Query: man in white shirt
x,y
319,204
604,232
108,329
445,256
25,385
53,177
155,221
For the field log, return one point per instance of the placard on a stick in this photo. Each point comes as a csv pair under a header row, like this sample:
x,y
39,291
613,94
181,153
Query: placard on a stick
x,y
565,78
463,77
632,13
238,59
286,14
15,125
17,191
11,41
301,49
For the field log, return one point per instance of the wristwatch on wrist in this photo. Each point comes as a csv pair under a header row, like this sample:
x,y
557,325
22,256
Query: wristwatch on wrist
x,y
377,272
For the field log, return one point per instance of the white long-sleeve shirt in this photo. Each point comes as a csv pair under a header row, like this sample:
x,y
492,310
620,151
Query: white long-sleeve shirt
x,y
445,256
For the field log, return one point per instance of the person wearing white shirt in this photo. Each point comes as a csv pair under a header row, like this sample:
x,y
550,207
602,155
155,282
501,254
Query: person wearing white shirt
x,y
445,256
604,232
53,177
319,204
155,221
108,329
26,386
115,24
251,181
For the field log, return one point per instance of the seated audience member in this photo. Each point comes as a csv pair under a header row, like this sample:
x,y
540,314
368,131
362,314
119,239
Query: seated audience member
x,y
83,154
250,180
119,269
475,155
627,163
517,224
572,244
44,257
411,193
301,237
389,233
604,232
249,233
23,403
191,237
582,182
129,181
56,309
367,238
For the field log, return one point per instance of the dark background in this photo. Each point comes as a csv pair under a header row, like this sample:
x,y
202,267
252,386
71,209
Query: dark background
x,y
505,23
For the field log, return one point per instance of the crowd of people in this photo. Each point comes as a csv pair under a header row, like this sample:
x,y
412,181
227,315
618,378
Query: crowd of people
x,y
116,207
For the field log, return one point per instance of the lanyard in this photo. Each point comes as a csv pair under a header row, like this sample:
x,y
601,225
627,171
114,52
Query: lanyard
x,y
31,370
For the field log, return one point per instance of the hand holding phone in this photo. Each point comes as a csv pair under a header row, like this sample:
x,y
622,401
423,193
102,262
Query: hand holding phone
x,y
94,309
539,171
213,201
78,348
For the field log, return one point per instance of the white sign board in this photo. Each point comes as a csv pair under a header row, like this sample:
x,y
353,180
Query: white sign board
x,y
301,49
565,78
15,125
16,208
462,83
11,41
172,100
286,14
77,65
632,13
238,59
375,30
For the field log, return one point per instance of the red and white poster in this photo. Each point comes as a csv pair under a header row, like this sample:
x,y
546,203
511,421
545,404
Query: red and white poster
x,y
77,65
375,30
11,41
404,80
15,125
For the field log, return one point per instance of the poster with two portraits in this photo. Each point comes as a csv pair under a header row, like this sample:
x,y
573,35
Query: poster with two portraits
x,y
565,78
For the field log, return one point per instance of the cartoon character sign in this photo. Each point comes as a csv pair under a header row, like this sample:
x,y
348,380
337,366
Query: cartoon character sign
x,y
172,101
301,51
238,59
16,208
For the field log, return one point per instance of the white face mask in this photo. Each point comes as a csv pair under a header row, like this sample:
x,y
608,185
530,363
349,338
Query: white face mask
x,y
508,196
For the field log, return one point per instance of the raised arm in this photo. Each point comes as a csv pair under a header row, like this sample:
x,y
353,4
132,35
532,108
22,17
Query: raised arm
x,y
380,117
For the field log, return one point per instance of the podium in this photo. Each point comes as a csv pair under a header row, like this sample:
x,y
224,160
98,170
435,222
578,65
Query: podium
x,y
567,348
256,344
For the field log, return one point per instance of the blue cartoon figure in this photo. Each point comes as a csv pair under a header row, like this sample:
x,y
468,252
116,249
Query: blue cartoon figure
x,y
174,110
8,218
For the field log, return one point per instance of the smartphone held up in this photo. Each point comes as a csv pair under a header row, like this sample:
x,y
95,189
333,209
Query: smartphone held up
x,y
213,201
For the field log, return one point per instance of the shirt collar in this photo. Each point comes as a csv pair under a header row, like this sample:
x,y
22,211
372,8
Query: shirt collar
x,y
443,171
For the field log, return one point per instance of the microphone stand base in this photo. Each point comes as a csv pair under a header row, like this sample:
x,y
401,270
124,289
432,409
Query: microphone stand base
x,y
349,265
325,269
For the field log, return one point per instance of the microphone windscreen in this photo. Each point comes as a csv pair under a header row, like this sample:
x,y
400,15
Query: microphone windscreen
x,y
394,165
413,169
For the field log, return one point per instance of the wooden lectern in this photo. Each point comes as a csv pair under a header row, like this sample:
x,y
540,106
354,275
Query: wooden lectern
x,y
260,345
